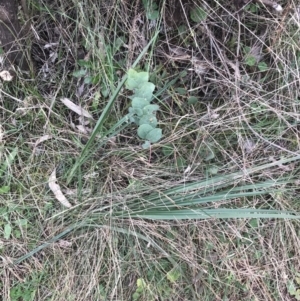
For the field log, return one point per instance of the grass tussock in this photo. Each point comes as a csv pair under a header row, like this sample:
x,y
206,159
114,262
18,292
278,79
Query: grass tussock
x,y
210,212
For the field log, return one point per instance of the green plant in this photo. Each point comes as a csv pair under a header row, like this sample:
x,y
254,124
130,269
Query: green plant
x,y
293,289
142,112
198,14
174,275
157,282
20,291
151,9
252,58
9,225
5,166
141,287
93,74
27,289
222,125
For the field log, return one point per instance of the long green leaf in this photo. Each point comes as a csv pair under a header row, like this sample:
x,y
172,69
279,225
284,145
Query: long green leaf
x,y
48,243
10,158
88,225
216,213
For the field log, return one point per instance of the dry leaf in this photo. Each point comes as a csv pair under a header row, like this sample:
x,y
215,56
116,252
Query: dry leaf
x,y
53,56
55,188
1,133
40,140
200,67
187,170
248,146
80,90
180,54
21,111
214,116
83,129
273,4
64,244
50,45
75,108
6,76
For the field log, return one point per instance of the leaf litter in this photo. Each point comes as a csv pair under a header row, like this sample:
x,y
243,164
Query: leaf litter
x,y
55,188
75,108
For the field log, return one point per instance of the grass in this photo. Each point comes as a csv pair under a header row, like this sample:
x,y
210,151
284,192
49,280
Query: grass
x,y
210,212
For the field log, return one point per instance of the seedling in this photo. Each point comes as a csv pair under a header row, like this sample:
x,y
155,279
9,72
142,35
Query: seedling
x,y
142,112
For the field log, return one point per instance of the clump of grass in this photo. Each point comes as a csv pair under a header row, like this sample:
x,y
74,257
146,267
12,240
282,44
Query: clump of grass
x,y
209,211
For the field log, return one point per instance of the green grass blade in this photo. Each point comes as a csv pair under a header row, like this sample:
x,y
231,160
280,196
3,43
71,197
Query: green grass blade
x,y
220,197
87,225
10,158
197,214
232,193
43,246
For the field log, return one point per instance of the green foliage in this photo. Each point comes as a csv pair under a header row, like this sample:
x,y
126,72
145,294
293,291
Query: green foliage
x,y
252,7
11,227
167,150
250,60
140,289
9,159
198,14
293,289
173,275
136,79
151,9
142,112
156,183
27,289
89,70
7,231
3,169
192,100
262,66
22,293
4,189
157,282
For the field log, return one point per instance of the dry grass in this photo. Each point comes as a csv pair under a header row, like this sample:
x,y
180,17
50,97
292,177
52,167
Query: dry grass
x,y
243,116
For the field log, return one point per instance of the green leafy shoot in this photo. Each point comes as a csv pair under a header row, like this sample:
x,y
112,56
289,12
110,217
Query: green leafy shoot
x,y
136,79
142,112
